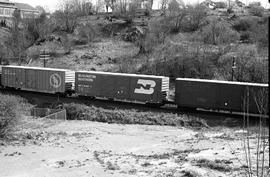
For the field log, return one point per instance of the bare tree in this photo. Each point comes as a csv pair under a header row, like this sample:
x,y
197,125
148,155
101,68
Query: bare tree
x,y
111,4
163,6
66,16
256,166
16,41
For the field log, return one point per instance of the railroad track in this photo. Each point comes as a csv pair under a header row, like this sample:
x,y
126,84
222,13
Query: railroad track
x,y
211,117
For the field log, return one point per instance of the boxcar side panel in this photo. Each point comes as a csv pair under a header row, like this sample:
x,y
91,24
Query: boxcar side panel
x,y
119,86
122,87
219,95
146,89
88,84
107,86
20,77
8,77
196,94
54,81
34,79
230,96
257,95
31,79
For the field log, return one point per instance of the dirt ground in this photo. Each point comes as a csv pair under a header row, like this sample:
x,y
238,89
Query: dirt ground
x,y
54,148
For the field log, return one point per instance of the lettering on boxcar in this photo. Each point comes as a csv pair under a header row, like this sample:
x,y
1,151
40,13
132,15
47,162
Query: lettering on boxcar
x,y
86,77
146,87
55,80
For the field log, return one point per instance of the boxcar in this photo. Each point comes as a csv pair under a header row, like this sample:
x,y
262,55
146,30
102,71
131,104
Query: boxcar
x,y
218,95
0,76
130,87
47,80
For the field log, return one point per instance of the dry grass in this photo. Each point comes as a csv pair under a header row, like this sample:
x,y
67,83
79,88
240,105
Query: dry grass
x,y
103,55
11,110
83,112
219,165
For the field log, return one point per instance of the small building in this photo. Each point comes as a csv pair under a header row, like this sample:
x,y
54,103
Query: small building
x,y
26,10
7,9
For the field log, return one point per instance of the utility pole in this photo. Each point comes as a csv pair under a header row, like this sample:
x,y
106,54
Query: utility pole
x,y
44,61
233,66
44,57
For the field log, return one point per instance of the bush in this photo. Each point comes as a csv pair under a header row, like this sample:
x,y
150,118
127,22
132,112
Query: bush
x,y
182,61
33,52
10,110
220,5
250,67
193,21
83,112
245,23
219,32
256,10
253,30
86,33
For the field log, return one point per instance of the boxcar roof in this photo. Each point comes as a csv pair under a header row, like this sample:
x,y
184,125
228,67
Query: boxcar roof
x,y
121,74
224,82
39,68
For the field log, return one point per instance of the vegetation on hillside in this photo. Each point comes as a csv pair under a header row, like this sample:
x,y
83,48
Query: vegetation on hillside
x,y
178,40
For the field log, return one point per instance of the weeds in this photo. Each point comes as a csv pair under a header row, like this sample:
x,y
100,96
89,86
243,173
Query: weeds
x,y
91,113
256,163
11,108
218,165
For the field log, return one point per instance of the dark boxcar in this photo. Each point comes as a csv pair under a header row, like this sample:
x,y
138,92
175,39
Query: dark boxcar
x,y
218,95
131,87
0,75
47,80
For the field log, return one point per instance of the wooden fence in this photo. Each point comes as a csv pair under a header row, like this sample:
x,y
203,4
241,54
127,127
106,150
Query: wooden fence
x,y
60,114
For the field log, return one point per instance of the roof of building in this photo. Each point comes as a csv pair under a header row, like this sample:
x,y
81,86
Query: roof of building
x,y
2,2
24,6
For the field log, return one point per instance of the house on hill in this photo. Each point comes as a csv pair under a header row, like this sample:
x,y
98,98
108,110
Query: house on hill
x,y
7,9
26,10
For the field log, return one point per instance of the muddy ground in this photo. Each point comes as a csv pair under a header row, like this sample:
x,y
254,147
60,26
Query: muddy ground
x,y
54,148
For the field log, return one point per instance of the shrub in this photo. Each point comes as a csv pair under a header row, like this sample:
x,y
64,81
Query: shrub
x,y
250,66
10,109
83,112
256,10
192,22
221,5
245,23
127,66
86,33
33,52
219,32
182,61
253,30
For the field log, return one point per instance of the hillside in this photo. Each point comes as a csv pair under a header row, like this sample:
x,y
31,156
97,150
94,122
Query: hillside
x,y
195,41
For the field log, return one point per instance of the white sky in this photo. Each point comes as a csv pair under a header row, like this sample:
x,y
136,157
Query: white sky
x,y
52,5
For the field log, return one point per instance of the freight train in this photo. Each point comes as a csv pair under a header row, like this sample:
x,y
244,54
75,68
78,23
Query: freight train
x,y
147,89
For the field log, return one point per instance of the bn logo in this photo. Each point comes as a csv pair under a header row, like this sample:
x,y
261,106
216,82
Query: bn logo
x,y
147,87
55,80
